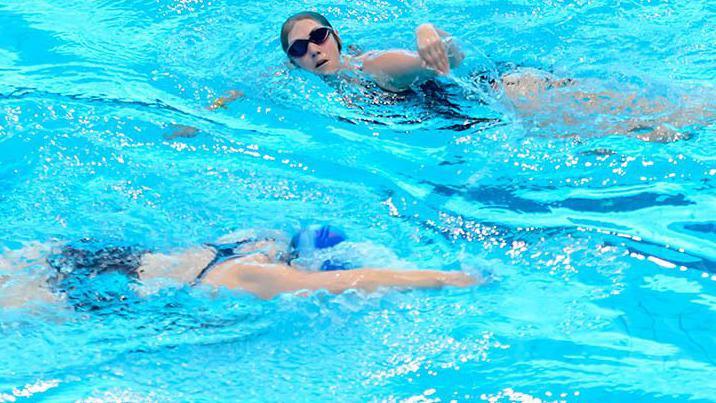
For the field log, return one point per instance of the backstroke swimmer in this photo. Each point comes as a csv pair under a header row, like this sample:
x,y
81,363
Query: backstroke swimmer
x,y
263,266
312,44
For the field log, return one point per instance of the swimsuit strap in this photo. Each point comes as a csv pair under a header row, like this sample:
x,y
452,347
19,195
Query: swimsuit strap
x,y
224,253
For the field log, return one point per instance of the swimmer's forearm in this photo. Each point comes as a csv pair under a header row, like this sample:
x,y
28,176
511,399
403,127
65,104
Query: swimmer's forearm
x,y
269,280
372,279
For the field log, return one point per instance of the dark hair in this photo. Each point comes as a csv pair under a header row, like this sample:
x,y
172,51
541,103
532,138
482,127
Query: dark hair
x,y
303,15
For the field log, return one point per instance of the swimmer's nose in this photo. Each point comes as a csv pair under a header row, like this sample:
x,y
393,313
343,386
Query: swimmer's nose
x,y
314,49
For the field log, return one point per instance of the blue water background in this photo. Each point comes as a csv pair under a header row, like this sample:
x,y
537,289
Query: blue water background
x,y
603,247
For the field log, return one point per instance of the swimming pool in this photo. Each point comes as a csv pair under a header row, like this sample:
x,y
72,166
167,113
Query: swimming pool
x,y
602,247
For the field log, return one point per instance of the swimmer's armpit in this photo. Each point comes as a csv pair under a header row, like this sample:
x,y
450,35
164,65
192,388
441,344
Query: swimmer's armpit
x,y
221,102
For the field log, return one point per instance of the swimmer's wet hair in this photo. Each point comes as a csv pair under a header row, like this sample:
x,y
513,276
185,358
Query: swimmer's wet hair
x,y
303,15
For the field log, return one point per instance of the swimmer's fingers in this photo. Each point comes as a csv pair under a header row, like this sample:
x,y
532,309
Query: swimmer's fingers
x,y
437,58
442,58
431,59
426,58
429,63
431,49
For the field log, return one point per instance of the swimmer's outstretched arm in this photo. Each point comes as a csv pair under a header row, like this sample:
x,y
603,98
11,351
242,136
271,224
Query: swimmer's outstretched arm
x,y
396,70
267,281
221,102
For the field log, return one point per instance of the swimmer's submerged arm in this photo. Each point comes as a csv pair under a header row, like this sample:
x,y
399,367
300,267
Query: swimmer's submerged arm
x,y
222,102
267,281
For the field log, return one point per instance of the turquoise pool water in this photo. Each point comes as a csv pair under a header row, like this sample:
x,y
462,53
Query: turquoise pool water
x,y
603,247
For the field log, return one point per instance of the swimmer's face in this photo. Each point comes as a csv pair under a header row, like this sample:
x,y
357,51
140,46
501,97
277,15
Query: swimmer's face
x,y
323,58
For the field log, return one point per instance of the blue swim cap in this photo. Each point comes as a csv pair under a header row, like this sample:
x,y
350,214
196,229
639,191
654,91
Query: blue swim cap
x,y
318,236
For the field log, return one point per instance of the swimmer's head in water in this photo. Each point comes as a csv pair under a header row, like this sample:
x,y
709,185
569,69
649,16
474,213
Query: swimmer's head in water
x,y
314,237
311,43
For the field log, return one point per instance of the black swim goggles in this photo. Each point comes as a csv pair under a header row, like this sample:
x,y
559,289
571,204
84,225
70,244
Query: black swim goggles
x,y
299,47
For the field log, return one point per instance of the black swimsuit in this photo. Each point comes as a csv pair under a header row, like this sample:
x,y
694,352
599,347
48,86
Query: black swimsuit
x,y
83,266
83,269
224,253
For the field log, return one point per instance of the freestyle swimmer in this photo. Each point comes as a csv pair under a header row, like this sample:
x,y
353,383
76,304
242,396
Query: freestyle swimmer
x,y
312,44
264,266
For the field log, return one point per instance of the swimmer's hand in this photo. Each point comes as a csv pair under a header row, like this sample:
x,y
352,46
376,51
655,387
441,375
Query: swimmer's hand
x,y
459,279
432,49
221,102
